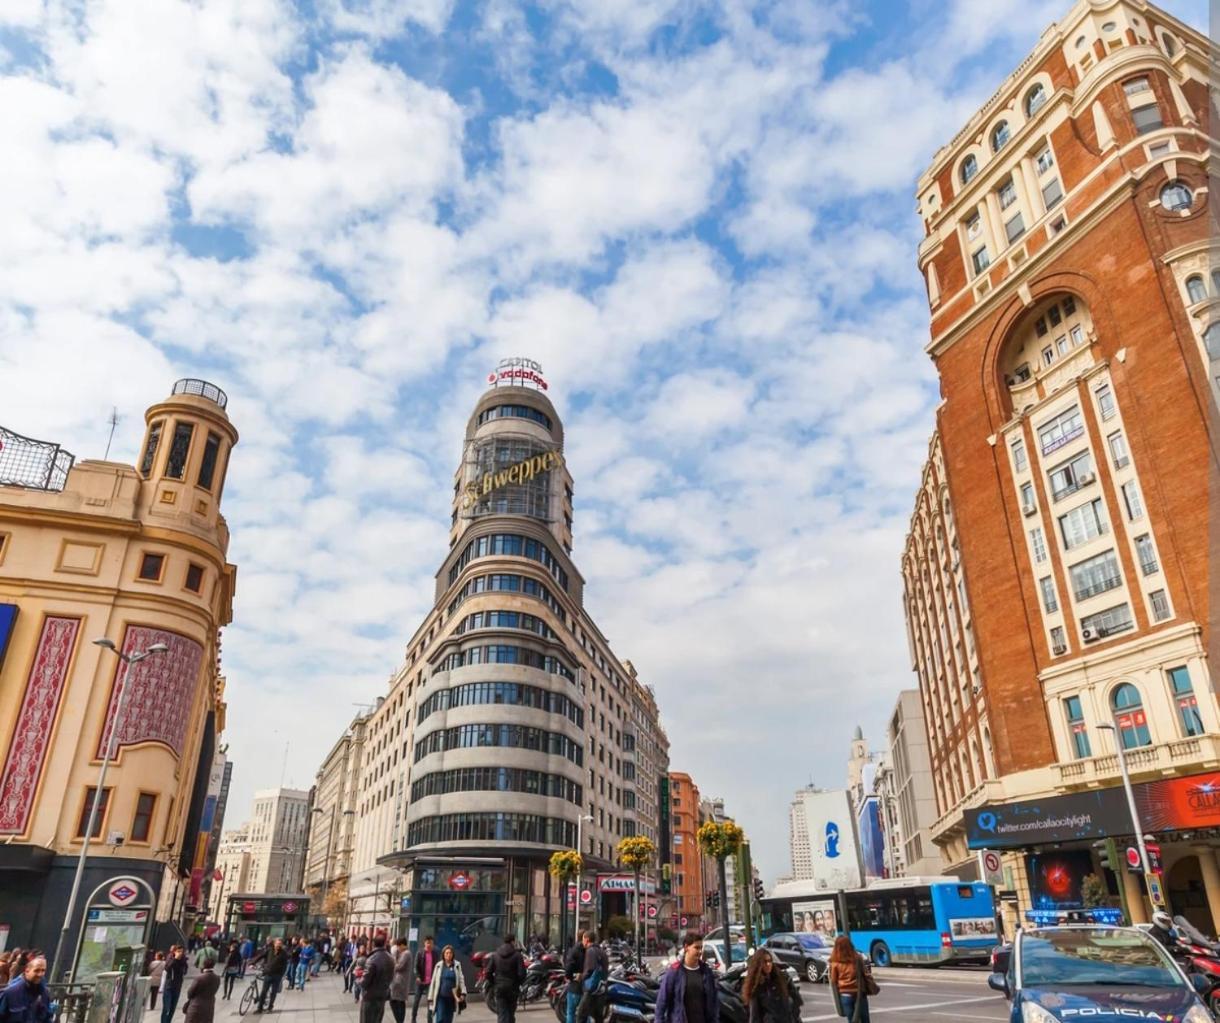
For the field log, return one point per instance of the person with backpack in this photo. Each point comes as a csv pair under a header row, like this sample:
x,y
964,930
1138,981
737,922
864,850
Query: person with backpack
x,y
593,972
506,973
688,992
851,981
573,966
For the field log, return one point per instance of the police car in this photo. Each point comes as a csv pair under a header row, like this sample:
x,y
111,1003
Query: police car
x,y
1091,973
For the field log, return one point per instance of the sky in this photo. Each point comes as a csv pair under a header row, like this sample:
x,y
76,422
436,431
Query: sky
x,y
697,216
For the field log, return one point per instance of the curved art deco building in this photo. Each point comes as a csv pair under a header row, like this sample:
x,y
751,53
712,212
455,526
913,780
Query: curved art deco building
x,y
511,730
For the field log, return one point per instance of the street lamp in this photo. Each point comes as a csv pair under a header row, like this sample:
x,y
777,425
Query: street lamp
x,y
580,875
1135,817
131,660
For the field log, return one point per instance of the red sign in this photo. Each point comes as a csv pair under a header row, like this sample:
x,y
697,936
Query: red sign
x,y
1133,858
218,874
459,880
652,914
1180,803
249,908
685,921
289,908
1154,857
586,897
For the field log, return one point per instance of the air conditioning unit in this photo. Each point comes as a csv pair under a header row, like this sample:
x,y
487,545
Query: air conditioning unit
x,y
1090,635
1061,649
115,838
1029,509
1084,479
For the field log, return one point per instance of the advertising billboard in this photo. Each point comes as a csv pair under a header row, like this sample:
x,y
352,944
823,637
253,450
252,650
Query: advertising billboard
x,y
872,839
832,839
1056,878
816,917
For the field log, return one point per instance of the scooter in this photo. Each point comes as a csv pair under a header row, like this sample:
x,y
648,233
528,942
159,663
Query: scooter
x,y
1201,956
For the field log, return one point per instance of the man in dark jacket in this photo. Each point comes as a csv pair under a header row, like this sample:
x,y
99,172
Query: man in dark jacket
x,y
688,991
27,999
573,967
506,971
592,972
275,965
375,984
171,982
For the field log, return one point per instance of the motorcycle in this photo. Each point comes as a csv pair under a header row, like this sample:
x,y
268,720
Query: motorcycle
x,y
1200,955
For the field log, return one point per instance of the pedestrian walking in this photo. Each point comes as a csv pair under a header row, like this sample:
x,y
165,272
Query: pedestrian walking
x,y
26,998
155,969
358,971
506,973
200,1004
593,973
305,958
375,984
233,966
447,992
275,965
400,986
425,964
688,991
851,981
573,966
171,982
767,993
247,953
5,975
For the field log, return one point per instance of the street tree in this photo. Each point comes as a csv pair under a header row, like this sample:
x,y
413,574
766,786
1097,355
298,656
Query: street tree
x,y
635,853
720,840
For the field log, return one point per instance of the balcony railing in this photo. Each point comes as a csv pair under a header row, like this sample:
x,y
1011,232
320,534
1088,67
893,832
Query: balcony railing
x,y
1101,586
202,389
37,464
1199,750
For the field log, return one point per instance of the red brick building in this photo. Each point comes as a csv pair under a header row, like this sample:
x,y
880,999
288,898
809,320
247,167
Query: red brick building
x,y
1056,574
686,877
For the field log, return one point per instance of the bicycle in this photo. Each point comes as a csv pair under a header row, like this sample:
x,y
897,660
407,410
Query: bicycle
x,y
249,997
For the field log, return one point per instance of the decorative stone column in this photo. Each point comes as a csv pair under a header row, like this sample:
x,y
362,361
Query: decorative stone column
x,y
1210,872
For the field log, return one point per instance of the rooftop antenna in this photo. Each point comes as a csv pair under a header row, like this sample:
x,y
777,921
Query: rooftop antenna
x,y
113,421
284,768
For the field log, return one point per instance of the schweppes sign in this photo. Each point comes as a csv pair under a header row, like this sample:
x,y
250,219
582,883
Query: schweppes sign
x,y
522,472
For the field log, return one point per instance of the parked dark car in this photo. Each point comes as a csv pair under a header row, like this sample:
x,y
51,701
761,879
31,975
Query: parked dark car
x,y
808,954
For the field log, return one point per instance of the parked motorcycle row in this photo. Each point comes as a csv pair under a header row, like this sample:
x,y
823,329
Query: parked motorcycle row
x,y
1198,955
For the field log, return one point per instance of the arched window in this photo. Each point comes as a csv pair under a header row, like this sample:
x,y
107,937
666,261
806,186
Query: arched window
x,y
1216,283
1170,46
1176,196
1196,289
1034,99
970,167
1130,718
999,136
1211,339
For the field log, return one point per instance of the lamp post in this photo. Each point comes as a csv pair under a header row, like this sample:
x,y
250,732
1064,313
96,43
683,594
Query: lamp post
x,y
580,875
1135,817
131,660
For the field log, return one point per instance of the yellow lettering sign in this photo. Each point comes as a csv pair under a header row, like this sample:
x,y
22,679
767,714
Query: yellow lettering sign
x,y
524,471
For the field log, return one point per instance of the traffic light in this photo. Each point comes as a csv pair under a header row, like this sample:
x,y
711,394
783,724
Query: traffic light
x,y
1107,855
760,892
666,877
715,900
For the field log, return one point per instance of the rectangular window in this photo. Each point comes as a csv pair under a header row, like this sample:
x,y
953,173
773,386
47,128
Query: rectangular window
x,y
86,806
141,823
1107,622
150,449
1076,727
1061,344
1041,327
1096,575
1184,696
1019,460
1047,584
1065,427
1027,497
1052,192
1131,497
179,449
207,465
151,566
1008,194
1118,450
1039,545
1071,476
980,260
1105,401
1077,333
1146,118
1160,605
1082,524
1048,355
1058,642
1147,556
194,578
1045,160
1053,313
1014,228
1057,225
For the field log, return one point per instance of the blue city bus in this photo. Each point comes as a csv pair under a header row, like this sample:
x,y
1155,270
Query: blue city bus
x,y
920,921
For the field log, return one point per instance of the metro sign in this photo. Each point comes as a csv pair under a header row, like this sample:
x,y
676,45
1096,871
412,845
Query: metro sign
x,y
289,908
459,881
122,893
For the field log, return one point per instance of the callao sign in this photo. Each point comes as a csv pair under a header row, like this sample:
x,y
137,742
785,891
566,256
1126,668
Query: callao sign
x,y
517,373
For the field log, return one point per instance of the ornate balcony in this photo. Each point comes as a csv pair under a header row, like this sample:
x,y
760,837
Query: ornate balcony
x,y
36,464
1165,758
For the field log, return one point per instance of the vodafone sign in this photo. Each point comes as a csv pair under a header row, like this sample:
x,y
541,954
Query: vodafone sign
x,y
517,373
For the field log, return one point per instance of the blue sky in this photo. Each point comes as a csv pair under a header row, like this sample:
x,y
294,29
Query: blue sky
x,y
697,216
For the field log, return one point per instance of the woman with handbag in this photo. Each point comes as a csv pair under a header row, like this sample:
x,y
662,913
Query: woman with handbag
x,y
851,981
447,994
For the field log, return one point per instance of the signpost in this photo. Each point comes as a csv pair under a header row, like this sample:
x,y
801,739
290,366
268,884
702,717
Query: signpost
x,y
991,868
118,918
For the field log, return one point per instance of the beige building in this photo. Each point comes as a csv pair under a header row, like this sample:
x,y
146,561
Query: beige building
x,y
905,787
134,554
511,724
279,831
798,839
332,829
233,862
